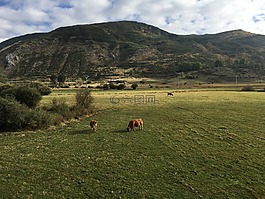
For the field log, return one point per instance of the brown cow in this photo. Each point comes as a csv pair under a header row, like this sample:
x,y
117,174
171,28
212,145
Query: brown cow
x,y
135,123
140,124
94,125
170,94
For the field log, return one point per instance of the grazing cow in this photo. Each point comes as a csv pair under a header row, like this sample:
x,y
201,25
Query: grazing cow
x,y
140,124
94,125
170,94
135,123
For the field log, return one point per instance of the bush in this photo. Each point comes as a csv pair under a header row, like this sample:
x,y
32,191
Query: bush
x,y
28,96
39,119
44,90
121,86
112,85
3,78
15,116
61,78
23,94
60,107
134,86
105,86
8,92
64,86
247,88
143,81
84,102
12,114
5,86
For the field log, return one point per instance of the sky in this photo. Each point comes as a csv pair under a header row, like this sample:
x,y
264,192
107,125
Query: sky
x,y
20,17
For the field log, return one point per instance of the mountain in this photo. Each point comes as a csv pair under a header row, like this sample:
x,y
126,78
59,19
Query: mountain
x,y
128,48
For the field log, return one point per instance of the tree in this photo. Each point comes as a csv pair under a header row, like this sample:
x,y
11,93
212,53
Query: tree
x,y
84,102
218,63
242,62
54,79
134,86
61,78
79,82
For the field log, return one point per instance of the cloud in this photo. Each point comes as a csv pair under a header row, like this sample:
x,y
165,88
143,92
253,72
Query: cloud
x,y
18,17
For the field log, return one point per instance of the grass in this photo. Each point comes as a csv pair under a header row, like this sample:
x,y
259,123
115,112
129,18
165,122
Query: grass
x,y
207,144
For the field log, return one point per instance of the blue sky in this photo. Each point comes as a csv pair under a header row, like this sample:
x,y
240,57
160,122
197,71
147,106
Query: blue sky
x,y
19,17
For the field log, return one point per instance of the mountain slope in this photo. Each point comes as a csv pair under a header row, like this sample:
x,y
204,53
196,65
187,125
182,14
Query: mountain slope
x,y
131,48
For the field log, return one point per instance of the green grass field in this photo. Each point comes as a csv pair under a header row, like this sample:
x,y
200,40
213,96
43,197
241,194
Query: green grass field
x,y
196,144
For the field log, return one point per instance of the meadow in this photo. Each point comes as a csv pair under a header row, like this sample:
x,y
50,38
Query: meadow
x,y
195,144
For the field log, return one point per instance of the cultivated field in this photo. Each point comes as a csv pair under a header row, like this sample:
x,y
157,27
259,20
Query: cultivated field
x,y
195,144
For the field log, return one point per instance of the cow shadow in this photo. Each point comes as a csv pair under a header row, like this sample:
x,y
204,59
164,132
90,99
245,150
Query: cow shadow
x,y
120,131
82,131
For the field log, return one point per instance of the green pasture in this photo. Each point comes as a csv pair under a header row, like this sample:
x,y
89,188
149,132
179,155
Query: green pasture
x,y
195,144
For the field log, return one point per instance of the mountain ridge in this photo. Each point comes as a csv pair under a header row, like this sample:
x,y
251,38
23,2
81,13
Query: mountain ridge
x,y
129,48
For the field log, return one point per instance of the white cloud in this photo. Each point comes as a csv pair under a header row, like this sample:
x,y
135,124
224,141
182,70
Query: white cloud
x,y
18,17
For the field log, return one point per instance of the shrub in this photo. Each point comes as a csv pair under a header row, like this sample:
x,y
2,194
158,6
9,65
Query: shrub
x,y
43,89
84,102
5,86
54,79
121,86
134,86
39,119
8,92
247,88
12,114
112,85
23,94
3,78
143,81
15,116
61,78
105,86
64,86
60,107
28,96
57,105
